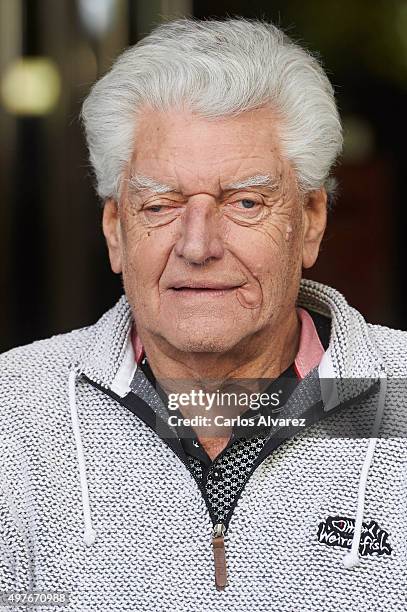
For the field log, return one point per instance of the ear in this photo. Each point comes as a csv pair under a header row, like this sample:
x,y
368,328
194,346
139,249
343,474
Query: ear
x,y
112,232
315,211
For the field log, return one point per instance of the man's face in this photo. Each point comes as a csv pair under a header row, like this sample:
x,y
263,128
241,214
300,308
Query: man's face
x,y
211,250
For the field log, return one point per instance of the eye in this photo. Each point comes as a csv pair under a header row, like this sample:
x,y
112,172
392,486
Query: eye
x,y
161,212
245,208
155,209
252,205
246,203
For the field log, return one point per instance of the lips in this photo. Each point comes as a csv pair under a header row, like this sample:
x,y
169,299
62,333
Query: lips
x,y
204,286
201,289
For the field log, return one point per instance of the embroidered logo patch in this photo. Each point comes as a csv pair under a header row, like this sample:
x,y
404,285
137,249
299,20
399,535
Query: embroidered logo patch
x,y
338,531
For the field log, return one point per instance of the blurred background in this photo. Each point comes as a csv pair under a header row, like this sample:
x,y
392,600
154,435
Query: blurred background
x,y
54,272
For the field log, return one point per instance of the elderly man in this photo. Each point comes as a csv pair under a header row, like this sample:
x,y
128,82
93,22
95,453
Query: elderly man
x,y
127,483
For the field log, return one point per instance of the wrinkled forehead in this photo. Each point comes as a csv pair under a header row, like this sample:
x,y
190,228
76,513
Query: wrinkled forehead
x,y
188,152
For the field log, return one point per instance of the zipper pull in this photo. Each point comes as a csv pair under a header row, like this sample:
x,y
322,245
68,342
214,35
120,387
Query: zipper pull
x,y
218,543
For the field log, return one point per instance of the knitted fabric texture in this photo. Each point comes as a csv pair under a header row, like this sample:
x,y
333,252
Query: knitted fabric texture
x,y
152,550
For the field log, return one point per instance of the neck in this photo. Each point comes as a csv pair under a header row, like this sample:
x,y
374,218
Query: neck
x,y
264,355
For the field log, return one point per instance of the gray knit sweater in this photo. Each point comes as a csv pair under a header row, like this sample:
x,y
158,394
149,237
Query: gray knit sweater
x,y
93,503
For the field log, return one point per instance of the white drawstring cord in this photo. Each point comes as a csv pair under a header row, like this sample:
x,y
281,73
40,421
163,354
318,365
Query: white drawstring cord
x,y
352,559
89,535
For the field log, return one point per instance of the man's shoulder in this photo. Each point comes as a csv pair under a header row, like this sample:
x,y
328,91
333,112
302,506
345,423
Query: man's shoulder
x,y
62,351
392,346
388,335
43,356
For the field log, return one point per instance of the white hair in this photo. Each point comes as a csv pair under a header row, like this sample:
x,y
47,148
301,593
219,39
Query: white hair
x,y
216,69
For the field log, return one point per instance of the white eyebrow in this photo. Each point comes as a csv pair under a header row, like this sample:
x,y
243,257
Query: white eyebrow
x,y
138,181
258,180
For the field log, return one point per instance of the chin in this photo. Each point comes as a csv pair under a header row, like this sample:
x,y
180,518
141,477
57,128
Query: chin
x,y
202,340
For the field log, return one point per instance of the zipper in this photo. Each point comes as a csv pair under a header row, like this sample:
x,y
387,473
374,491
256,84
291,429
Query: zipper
x,y
218,544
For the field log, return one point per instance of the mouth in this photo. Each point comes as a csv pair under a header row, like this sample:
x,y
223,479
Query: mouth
x,y
203,289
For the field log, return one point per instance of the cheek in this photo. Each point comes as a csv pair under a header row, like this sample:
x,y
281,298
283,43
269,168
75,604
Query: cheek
x,y
272,257
266,252
145,254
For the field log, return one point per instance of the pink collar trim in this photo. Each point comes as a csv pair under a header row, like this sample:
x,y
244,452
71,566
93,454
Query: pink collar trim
x,y
309,354
310,350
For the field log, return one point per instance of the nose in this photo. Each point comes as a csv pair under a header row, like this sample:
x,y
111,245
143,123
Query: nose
x,y
200,238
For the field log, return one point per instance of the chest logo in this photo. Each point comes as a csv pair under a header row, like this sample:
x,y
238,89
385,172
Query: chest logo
x,y
339,530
